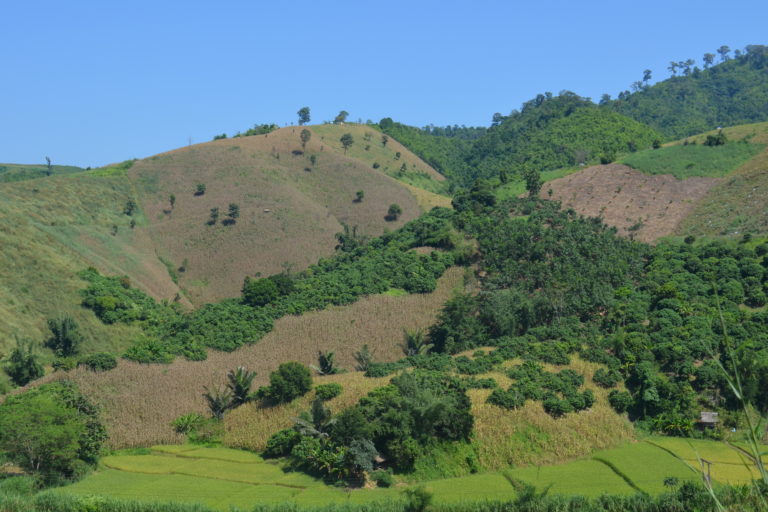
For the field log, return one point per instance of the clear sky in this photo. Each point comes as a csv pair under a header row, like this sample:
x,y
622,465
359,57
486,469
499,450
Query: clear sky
x,y
90,83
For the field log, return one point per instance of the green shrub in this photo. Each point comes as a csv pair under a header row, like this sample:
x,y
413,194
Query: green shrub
x,y
620,400
281,443
99,362
328,391
606,378
290,381
383,478
187,423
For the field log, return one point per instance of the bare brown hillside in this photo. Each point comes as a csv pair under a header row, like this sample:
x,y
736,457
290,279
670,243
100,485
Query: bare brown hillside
x,y
642,206
290,207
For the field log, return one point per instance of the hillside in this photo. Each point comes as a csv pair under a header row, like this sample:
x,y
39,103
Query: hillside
x,y
290,208
549,132
683,188
55,227
21,172
290,211
727,94
739,204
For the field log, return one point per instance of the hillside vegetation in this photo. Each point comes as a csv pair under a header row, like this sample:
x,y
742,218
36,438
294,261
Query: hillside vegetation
x,y
120,220
549,132
21,172
730,93
290,208
739,204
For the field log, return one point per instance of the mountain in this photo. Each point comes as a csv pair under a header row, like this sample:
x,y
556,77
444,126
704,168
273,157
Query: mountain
x,y
731,93
549,132
119,220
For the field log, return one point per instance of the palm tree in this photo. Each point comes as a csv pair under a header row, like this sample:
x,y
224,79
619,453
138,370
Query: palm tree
x,y
219,400
239,384
415,343
326,363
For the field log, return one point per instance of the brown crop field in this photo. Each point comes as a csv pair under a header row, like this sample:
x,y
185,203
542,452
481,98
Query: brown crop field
x,y
140,400
642,206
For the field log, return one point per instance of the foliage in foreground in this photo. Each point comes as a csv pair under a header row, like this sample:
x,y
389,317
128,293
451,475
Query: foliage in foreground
x,y
18,495
51,431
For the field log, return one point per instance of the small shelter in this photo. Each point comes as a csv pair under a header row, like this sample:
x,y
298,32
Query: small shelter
x,y
708,419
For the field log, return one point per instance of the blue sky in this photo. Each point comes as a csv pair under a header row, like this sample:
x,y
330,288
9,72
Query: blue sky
x,y
89,83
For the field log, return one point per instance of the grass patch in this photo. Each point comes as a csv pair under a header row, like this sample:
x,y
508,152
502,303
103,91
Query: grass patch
x,y
395,292
687,161
517,188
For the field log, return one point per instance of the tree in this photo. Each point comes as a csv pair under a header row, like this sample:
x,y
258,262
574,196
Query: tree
x,y
341,118
305,135
384,140
303,114
23,366
239,384
200,189
291,380
65,336
673,68
172,200
709,58
415,343
363,358
393,212
326,363
48,165
219,401
724,51
233,212
359,195
259,292
646,76
347,140
533,182
214,216
39,434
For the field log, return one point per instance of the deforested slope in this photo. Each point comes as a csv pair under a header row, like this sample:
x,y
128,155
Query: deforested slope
x,y
292,200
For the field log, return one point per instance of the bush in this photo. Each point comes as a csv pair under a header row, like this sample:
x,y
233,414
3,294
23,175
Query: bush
x,y
259,292
187,423
620,400
328,391
99,362
510,399
606,378
281,443
383,478
290,381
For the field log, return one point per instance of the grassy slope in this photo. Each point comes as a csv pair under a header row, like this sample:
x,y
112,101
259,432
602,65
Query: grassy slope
x,y
740,203
51,229
290,210
687,161
55,226
22,172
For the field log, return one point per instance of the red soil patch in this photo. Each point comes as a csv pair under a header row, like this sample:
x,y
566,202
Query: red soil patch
x,y
641,206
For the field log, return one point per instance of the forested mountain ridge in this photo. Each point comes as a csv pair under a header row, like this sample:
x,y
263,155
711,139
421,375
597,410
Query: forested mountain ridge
x,y
548,132
730,93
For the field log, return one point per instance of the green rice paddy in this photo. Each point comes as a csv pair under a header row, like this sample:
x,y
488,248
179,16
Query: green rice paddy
x,y
224,478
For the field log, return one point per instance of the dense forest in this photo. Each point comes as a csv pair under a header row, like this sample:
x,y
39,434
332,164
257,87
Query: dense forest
x,y
565,130
730,93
